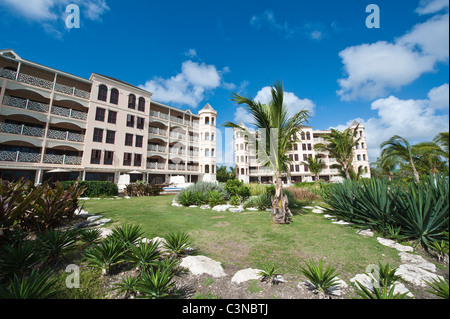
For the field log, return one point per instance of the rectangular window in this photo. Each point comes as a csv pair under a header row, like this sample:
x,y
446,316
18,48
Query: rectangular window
x,y
139,140
140,123
309,147
296,157
108,160
100,114
127,159
304,147
98,135
137,159
95,156
305,157
297,168
306,168
141,104
112,117
129,139
110,137
295,147
130,120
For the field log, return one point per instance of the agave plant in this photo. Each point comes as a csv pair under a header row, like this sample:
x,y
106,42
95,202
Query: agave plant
x,y
385,291
215,198
128,286
56,243
143,255
155,283
18,258
35,286
269,273
106,255
441,247
322,279
439,287
90,236
386,276
170,264
128,234
177,242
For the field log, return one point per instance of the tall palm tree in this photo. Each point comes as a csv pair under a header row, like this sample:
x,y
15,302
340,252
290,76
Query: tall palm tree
x,y
340,145
399,147
275,132
442,139
387,165
315,165
430,153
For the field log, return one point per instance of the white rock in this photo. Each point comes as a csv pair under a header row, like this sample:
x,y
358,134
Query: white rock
x,y
205,207
416,275
321,208
308,207
365,232
252,209
161,242
417,261
221,208
317,211
104,232
341,222
338,289
92,218
199,265
84,198
328,216
366,281
393,244
192,206
99,222
236,210
176,204
246,275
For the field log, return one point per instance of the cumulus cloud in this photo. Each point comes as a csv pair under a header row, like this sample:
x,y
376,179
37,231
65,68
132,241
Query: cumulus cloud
x,y
431,6
293,104
188,87
374,70
415,120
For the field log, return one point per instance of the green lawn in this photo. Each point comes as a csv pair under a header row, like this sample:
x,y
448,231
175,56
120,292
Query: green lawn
x,y
250,239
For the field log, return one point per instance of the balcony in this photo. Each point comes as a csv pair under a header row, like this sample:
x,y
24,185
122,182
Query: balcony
x,y
192,168
177,167
176,135
157,148
160,115
74,114
72,91
20,157
176,119
157,131
65,136
61,159
25,104
177,151
160,166
22,130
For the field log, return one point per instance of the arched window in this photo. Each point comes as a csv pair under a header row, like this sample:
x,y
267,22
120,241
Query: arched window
x,y
303,135
212,153
212,121
207,152
141,105
206,169
206,120
206,136
132,101
308,136
102,93
114,99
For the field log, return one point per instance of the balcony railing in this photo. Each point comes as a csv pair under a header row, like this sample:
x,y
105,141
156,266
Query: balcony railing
x,y
25,104
176,119
192,168
22,130
157,131
65,136
177,151
159,115
72,91
63,111
21,157
177,167
177,135
7,74
157,148
161,166
61,159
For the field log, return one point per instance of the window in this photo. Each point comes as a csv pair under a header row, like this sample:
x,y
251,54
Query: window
x,y
98,135
129,139
206,120
207,137
212,154
108,160
304,147
212,137
206,169
114,99
212,120
112,117
291,157
291,168
100,114
130,120
306,168
296,157
308,136
127,159
362,145
302,135
305,157
137,159
139,139
237,159
141,105
102,93
110,137
140,123
364,157
95,156
132,101
309,147
359,157
297,168
295,147
206,152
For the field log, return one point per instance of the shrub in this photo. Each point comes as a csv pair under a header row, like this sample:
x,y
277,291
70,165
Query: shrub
x,y
383,292
261,202
189,197
197,194
37,285
106,255
90,236
143,255
141,188
56,243
439,287
127,234
322,279
234,200
155,284
19,258
301,194
177,242
256,189
269,273
215,198
95,188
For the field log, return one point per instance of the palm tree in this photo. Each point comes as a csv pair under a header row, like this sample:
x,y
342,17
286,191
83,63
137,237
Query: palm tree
x,y
274,138
398,147
442,139
387,165
430,153
315,165
340,145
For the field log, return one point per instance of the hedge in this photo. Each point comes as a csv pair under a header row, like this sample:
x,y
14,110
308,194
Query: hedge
x,y
95,188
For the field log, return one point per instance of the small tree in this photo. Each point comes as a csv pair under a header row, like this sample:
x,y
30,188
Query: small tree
x,y
315,166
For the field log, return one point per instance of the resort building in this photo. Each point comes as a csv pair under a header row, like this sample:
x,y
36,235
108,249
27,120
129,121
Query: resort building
x,y
58,126
248,168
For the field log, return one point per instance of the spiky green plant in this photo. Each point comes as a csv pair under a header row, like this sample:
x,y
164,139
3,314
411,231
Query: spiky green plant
x,y
37,285
143,255
177,242
384,292
155,283
269,273
19,257
56,243
441,247
215,198
386,275
106,255
90,236
128,286
439,287
322,279
128,234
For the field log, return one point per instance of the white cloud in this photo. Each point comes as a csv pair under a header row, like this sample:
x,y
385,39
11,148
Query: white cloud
x,y
52,10
374,70
191,53
264,96
188,87
415,120
431,6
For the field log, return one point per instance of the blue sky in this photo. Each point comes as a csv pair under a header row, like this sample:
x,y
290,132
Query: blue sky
x,y
393,79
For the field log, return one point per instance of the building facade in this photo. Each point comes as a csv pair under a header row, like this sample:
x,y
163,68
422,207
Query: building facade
x,y
248,168
54,125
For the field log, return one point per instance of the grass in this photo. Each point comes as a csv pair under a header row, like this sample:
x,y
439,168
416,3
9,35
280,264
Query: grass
x,y
250,239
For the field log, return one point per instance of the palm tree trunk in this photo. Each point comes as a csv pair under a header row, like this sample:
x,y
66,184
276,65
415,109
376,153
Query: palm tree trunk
x,y
280,203
416,174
